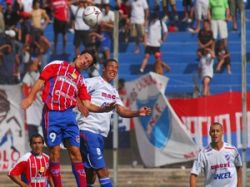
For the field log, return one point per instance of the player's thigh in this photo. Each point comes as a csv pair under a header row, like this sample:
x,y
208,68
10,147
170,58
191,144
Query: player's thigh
x,y
51,131
92,147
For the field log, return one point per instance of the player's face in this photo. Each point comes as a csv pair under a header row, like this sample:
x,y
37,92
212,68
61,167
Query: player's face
x,y
37,145
216,133
110,71
83,61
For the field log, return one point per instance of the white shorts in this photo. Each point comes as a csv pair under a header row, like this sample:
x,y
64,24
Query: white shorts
x,y
201,10
219,27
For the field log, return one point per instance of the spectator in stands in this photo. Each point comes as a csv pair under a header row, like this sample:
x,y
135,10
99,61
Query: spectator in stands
x,y
98,3
9,68
165,5
223,56
206,69
32,169
155,35
10,16
234,6
106,28
159,66
38,16
81,29
205,38
42,45
25,6
60,11
124,19
34,112
188,8
2,23
138,19
219,161
219,14
201,13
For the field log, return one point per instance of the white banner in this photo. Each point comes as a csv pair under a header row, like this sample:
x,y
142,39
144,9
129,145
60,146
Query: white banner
x,y
12,133
162,138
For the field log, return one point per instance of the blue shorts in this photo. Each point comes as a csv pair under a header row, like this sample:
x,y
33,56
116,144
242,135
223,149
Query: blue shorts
x,y
92,147
59,126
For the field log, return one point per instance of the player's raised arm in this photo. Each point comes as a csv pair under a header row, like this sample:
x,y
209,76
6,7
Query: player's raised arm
x,y
32,95
126,113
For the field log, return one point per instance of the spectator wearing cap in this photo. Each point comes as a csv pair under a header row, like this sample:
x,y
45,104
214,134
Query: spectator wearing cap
x,y
155,34
138,19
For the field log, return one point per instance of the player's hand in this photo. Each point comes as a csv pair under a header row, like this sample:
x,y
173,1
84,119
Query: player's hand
x,y
144,111
26,102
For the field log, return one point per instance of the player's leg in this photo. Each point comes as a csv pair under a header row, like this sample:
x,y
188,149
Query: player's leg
x,y
52,136
71,140
91,176
93,147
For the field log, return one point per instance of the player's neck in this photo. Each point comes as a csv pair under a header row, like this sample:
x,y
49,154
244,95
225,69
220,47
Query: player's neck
x,y
217,145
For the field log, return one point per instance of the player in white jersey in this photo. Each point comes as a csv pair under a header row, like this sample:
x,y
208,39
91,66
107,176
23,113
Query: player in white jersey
x,y
94,128
220,162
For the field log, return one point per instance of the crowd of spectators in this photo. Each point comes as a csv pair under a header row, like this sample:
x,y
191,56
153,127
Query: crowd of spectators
x,y
22,25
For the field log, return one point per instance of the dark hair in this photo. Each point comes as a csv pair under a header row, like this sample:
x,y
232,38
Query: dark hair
x,y
91,52
105,63
36,136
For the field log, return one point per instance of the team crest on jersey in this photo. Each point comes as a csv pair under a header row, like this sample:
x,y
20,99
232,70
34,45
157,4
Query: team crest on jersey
x,y
73,75
227,157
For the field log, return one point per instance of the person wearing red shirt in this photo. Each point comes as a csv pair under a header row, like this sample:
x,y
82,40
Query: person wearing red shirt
x,y
32,169
63,86
61,14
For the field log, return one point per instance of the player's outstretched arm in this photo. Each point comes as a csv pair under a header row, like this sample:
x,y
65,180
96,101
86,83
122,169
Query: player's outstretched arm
x,y
192,180
94,108
32,95
126,113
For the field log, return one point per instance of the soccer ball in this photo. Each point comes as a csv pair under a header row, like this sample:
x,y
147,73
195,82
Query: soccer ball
x,y
92,16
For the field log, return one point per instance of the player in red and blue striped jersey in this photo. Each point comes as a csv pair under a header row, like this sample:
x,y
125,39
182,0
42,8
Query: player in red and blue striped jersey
x,y
62,85
32,169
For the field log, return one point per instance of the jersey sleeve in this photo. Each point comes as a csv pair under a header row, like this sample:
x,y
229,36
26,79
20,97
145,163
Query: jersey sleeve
x,y
19,167
50,70
118,99
237,161
198,165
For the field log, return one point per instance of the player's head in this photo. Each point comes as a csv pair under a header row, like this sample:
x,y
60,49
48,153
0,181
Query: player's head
x,y
216,132
110,69
36,143
84,60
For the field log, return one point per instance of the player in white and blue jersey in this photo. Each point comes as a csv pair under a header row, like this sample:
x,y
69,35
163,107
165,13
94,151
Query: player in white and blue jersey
x,y
220,162
95,127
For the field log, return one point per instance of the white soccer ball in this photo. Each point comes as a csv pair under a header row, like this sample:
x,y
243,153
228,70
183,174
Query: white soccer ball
x,y
92,16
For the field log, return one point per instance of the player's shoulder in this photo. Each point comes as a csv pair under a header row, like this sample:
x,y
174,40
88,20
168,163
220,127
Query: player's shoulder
x,y
54,62
228,146
45,155
24,157
206,149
